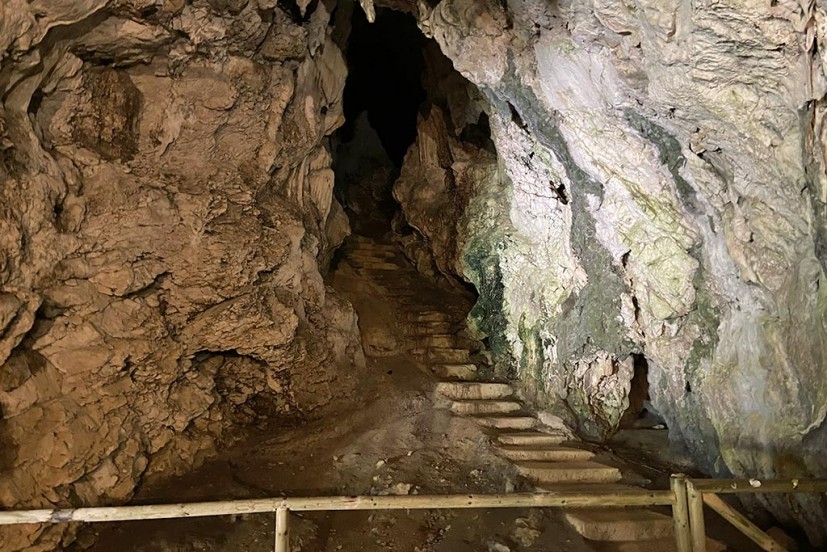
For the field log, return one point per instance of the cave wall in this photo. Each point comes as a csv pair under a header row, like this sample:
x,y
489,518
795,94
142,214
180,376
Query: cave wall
x,y
166,208
658,191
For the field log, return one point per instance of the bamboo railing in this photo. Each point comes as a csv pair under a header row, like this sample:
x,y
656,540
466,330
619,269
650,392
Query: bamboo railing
x,y
686,497
700,492
281,507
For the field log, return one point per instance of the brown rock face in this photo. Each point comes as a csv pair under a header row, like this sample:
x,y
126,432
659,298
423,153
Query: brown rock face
x,y
165,204
107,122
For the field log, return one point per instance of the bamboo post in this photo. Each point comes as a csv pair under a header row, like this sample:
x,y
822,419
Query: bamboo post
x,y
742,523
282,530
696,517
680,516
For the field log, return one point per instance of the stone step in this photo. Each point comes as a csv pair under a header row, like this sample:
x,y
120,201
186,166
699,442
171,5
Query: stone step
x,y
586,487
447,341
544,454
436,340
431,328
428,316
484,406
531,438
461,390
506,422
363,255
620,524
441,355
401,292
444,355
360,257
378,266
371,252
464,372
368,243
542,473
661,545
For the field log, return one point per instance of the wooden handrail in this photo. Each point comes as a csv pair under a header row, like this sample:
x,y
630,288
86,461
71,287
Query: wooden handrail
x,y
640,497
686,497
705,491
729,486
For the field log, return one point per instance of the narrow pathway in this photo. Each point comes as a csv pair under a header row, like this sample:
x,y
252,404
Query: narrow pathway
x,y
467,386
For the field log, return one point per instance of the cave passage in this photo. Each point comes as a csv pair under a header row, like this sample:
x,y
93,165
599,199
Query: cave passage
x,y
382,98
385,64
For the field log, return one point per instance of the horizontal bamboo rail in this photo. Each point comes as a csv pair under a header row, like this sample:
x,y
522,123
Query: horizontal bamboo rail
x,y
640,497
730,486
700,492
686,497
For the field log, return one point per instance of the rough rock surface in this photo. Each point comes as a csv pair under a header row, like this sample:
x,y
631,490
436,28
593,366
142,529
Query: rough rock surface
x,y
166,205
661,192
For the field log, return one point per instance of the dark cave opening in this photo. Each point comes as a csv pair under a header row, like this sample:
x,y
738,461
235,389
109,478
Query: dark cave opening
x,y
395,76
385,64
383,95
640,413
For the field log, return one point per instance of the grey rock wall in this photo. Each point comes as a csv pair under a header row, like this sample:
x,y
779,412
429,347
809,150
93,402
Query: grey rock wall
x,y
660,193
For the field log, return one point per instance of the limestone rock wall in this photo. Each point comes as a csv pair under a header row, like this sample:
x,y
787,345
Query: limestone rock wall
x,y
661,192
165,206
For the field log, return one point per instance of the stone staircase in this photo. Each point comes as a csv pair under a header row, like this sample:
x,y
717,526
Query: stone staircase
x,y
549,460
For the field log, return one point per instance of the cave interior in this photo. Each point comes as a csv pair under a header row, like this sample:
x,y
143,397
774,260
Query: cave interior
x,y
260,248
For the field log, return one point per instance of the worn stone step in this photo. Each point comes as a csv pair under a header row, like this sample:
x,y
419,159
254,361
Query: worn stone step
x,y
437,340
378,266
661,545
461,390
370,253
428,316
586,487
544,454
620,524
401,292
363,242
542,473
444,355
432,328
363,255
534,438
506,422
445,341
464,372
485,406
441,355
